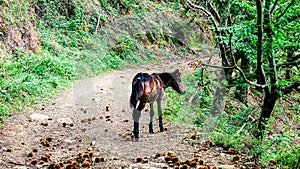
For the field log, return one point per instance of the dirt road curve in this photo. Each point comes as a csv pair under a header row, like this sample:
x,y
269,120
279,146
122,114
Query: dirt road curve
x,y
94,117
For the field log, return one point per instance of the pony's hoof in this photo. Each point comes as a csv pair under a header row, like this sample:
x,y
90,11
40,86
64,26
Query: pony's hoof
x,y
162,129
136,136
136,139
151,131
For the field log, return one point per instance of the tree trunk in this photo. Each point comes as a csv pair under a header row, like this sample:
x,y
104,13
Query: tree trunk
x,y
271,94
260,74
267,109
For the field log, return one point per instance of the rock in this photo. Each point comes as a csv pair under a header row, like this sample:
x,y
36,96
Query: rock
x,y
68,141
114,158
159,165
145,166
65,120
20,167
39,117
227,166
197,155
222,154
161,159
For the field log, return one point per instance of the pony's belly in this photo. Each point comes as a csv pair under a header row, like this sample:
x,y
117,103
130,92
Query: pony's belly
x,y
154,96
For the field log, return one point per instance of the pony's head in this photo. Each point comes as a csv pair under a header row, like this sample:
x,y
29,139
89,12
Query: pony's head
x,y
177,84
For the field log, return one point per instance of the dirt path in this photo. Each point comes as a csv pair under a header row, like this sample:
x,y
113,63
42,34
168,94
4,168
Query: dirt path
x,y
100,125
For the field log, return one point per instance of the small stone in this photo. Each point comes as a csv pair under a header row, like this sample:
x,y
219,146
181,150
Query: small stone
x,y
65,120
197,155
161,159
159,165
222,154
20,167
67,141
227,166
39,117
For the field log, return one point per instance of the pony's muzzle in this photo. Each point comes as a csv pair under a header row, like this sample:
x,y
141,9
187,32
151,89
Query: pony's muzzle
x,y
181,89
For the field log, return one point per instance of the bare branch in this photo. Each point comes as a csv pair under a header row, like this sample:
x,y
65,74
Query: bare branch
x,y
260,70
290,88
216,25
274,5
247,120
289,64
218,18
289,5
248,81
220,67
98,22
272,72
240,70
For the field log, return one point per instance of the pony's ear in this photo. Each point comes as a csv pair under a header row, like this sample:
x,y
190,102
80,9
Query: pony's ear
x,y
177,72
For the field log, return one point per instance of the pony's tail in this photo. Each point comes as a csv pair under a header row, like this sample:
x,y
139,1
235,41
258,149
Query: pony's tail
x,y
136,92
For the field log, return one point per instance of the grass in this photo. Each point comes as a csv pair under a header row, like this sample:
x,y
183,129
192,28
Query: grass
x,y
29,79
183,109
70,48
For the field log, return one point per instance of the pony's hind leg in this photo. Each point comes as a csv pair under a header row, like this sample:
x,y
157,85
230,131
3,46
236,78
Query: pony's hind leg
x,y
136,117
159,107
151,118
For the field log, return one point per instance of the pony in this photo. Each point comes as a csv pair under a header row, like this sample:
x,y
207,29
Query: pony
x,y
148,88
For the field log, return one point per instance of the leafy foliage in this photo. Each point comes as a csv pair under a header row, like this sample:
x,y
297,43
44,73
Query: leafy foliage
x,y
272,59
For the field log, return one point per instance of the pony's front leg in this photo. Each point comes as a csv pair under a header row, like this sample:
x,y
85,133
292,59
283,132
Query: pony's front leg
x,y
136,117
151,118
159,108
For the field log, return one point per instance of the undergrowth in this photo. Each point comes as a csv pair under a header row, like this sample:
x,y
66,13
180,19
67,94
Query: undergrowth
x,y
236,126
70,47
27,78
185,109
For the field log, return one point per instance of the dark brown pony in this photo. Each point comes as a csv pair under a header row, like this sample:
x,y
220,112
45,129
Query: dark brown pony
x,y
148,88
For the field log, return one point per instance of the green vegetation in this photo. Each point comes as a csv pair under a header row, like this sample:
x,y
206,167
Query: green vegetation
x,y
259,45
30,78
46,45
236,126
196,96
